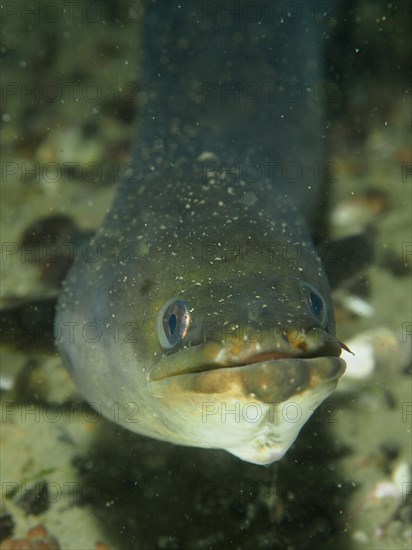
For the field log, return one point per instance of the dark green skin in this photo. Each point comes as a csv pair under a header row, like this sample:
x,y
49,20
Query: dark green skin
x,y
189,223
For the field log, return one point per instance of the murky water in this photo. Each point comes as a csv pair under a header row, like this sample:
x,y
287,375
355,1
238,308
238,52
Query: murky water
x,y
69,107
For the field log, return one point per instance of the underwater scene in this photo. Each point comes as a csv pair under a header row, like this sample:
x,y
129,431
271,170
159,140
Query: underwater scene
x,y
206,251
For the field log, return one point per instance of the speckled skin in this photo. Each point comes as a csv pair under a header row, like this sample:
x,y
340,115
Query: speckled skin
x,y
189,222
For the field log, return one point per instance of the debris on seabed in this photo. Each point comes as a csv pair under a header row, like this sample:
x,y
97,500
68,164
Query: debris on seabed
x,y
374,349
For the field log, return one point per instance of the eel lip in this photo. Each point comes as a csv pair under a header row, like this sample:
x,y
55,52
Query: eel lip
x,y
267,381
208,357
168,369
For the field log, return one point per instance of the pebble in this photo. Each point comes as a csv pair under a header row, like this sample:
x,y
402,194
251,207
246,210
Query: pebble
x,y
354,215
373,349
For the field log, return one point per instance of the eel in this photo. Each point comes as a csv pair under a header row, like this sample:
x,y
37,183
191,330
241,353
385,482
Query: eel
x,y
200,313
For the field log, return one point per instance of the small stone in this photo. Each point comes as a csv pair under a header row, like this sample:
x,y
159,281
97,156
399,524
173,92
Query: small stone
x,y
35,500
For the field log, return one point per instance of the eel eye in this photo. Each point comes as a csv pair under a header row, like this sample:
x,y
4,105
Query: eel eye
x,y
315,303
173,323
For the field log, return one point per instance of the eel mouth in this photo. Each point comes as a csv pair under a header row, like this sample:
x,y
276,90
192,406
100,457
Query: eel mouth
x,y
209,356
180,365
210,368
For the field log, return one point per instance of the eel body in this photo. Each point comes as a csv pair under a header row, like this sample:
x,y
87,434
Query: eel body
x,y
205,317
